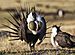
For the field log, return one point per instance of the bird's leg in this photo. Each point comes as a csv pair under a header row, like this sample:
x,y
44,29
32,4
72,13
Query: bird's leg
x,y
57,45
32,48
57,48
54,43
39,42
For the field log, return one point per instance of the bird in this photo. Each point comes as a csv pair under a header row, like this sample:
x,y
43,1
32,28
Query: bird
x,y
31,27
60,38
60,12
39,23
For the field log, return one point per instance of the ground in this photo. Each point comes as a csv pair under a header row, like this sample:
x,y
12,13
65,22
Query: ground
x,y
67,23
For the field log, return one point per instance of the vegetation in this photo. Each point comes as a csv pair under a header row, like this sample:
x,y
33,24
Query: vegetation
x,y
21,48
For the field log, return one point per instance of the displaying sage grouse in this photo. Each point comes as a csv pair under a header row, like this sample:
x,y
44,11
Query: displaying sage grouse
x,y
29,28
61,39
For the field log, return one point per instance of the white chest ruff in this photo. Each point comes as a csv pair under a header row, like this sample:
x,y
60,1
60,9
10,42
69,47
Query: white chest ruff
x,y
53,42
30,18
53,35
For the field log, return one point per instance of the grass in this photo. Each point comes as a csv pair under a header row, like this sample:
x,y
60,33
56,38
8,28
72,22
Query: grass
x,y
40,52
18,47
52,4
21,48
68,20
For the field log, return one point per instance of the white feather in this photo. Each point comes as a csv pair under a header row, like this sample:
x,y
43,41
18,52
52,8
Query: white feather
x,y
30,18
54,33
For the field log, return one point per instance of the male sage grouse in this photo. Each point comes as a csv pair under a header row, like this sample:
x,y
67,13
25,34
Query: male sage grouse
x,y
30,27
61,39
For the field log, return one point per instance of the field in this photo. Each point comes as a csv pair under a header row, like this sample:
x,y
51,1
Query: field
x,y
45,48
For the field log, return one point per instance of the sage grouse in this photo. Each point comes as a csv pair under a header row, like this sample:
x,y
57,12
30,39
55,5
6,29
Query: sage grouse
x,y
61,39
29,28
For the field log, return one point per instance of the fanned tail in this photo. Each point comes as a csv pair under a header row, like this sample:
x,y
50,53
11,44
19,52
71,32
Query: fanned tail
x,y
14,18
10,28
20,28
12,23
16,28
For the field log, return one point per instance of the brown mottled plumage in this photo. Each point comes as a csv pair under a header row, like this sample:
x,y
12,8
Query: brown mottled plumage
x,y
63,39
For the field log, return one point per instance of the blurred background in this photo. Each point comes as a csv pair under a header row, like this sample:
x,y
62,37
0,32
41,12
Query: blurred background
x,y
48,8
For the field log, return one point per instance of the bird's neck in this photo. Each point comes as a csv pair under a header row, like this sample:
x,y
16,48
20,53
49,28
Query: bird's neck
x,y
52,38
53,34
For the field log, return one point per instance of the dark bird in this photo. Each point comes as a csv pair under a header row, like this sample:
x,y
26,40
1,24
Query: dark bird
x,y
31,27
60,38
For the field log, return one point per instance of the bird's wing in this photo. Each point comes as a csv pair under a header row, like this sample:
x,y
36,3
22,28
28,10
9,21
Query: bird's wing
x,y
69,36
72,37
63,39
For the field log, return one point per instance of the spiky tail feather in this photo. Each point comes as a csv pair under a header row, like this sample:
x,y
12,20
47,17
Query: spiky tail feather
x,y
14,39
15,19
10,28
16,26
21,27
12,23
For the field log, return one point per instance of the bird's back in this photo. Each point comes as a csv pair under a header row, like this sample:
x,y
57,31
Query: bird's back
x,y
63,39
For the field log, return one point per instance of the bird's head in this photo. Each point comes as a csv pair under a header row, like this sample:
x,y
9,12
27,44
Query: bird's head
x,y
55,28
60,12
34,15
35,22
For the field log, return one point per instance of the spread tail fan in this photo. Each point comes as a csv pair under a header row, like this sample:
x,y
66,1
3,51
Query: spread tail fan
x,y
10,28
19,29
12,23
15,18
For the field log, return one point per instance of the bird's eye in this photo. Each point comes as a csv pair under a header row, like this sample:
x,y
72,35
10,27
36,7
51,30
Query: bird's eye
x,y
39,25
32,25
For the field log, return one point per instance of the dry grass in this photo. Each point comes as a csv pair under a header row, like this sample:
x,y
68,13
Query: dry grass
x,y
68,25
68,22
47,5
